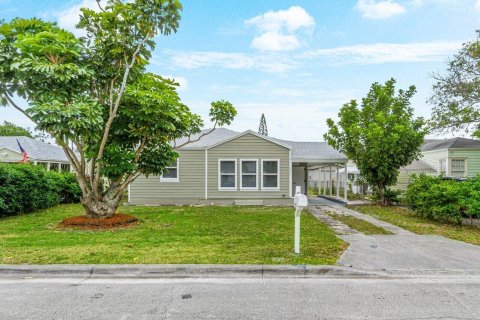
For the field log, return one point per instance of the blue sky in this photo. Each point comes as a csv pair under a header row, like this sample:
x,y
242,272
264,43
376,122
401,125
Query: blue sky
x,y
296,61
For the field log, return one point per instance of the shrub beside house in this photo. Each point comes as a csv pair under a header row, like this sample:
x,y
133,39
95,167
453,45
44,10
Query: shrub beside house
x,y
26,187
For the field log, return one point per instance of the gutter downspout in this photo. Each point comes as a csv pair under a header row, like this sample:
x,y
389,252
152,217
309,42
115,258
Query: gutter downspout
x,y
206,174
290,173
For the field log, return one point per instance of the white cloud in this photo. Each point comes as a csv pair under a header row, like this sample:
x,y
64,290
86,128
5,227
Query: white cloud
x,y
387,52
199,59
274,41
69,17
279,29
477,5
182,82
372,9
362,54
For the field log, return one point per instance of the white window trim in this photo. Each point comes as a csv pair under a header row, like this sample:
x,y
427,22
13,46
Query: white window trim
x,y
220,188
278,176
177,179
249,174
465,168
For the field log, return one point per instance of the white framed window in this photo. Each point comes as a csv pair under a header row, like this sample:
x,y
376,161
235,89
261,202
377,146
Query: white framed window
x,y
248,174
171,173
458,167
227,174
442,166
270,174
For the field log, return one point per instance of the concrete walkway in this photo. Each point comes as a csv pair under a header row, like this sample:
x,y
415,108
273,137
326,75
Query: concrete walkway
x,y
320,206
402,251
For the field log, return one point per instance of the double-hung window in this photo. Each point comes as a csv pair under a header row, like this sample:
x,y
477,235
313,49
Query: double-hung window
x,y
458,167
171,173
248,176
270,175
227,174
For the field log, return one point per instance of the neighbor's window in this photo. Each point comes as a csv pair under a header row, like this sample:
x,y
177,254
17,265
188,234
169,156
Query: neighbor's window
x,y
171,173
270,174
458,167
442,166
248,178
65,167
227,170
54,166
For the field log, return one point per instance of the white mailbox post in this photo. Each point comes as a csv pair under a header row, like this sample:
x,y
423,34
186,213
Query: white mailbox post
x,y
300,201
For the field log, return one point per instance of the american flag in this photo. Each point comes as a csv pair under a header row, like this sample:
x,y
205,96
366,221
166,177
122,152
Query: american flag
x,y
24,153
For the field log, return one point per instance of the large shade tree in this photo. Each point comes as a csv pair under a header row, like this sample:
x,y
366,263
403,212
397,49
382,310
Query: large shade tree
x,y
113,119
381,135
456,97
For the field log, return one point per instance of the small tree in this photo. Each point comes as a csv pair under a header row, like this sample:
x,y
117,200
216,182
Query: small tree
x,y
10,129
262,128
94,93
381,135
456,97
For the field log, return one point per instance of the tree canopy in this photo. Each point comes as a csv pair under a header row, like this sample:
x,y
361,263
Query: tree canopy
x,y
456,93
94,92
10,129
380,136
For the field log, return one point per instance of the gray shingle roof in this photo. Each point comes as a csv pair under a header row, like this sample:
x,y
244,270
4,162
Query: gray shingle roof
x,y
217,136
453,143
310,151
418,165
36,149
306,151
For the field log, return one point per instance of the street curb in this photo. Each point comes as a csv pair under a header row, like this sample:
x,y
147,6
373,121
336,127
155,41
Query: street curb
x,y
184,271
180,271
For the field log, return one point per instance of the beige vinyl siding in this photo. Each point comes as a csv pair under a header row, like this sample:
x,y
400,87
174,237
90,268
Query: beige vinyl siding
x,y
250,147
433,157
472,158
191,181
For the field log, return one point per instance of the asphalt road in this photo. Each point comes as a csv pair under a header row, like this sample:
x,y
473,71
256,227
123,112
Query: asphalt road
x,y
317,298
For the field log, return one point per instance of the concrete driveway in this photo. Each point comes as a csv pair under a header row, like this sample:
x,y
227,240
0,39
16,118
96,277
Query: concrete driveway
x,y
409,252
402,251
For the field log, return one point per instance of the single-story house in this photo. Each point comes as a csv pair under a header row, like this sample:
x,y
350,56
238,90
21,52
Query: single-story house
x,y
41,153
229,167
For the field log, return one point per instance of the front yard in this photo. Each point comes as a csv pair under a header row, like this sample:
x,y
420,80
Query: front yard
x,y
231,235
408,220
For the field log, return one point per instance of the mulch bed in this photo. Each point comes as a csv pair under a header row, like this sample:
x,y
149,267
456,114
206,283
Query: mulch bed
x,y
118,220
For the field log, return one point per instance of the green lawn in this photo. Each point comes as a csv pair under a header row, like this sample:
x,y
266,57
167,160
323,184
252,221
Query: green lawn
x,y
363,226
408,220
233,235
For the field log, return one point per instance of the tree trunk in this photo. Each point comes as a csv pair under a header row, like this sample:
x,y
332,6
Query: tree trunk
x,y
100,209
381,195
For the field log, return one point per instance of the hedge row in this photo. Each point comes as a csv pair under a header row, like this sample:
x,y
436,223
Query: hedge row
x,y
26,188
444,200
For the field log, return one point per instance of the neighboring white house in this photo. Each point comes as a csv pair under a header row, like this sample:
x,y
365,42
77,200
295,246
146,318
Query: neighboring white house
x,y
40,153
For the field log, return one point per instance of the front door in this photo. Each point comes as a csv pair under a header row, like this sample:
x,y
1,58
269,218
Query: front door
x,y
298,178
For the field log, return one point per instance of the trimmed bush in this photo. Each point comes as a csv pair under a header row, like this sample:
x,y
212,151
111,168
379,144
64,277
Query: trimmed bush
x,y
26,188
444,200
